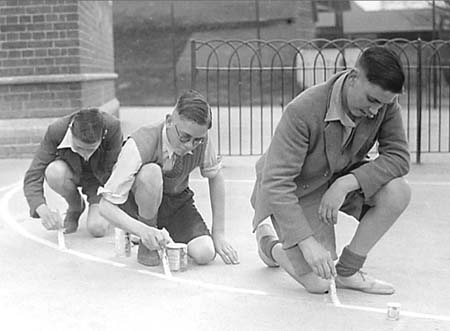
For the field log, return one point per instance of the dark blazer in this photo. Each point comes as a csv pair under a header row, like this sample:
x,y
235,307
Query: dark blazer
x,y
300,161
101,162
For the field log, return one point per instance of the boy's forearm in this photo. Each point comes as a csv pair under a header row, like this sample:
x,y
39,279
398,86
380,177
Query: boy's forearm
x,y
117,217
217,197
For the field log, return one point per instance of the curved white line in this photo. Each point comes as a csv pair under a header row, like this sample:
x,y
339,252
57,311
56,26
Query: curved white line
x,y
8,187
9,219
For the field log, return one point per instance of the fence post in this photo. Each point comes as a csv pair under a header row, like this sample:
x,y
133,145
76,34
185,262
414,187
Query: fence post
x,y
174,60
193,65
419,100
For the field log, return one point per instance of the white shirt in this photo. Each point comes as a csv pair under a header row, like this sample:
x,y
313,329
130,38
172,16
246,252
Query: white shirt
x,y
129,162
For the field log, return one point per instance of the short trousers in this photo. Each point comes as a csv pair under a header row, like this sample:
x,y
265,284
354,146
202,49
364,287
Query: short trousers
x,y
354,205
177,214
87,181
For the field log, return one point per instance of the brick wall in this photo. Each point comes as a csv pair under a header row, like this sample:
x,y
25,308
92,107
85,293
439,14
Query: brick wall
x,y
38,37
56,56
96,37
50,52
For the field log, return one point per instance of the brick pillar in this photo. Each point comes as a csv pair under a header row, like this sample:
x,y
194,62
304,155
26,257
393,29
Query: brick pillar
x,y
56,56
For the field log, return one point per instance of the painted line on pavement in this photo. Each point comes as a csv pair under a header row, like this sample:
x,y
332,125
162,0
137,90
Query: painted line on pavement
x,y
8,187
252,181
11,222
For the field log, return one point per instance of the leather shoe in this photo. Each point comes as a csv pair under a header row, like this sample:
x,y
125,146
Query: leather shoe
x,y
72,218
360,281
147,257
262,231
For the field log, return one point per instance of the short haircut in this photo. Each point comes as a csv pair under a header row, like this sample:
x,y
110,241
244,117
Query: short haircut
x,y
383,68
191,105
88,125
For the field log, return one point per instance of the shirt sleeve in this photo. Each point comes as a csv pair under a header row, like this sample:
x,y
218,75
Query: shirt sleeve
x,y
119,184
211,162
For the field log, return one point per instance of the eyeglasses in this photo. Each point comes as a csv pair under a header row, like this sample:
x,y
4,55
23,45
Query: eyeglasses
x,y
185,138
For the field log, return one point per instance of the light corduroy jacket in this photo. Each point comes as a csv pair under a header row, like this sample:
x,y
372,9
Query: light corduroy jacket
x,y
301,159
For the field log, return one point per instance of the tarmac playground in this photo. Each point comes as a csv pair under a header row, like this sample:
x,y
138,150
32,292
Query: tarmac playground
x,y
86,287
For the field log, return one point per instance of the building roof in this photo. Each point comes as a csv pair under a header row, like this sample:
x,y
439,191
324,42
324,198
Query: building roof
x,y
357,20
195,12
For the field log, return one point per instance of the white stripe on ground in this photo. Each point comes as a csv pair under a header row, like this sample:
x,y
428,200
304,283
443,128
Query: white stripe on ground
x,y
252,181
11,222
8,187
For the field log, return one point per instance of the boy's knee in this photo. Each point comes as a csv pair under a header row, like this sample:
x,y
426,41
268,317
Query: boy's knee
x,y
97,225
56,172
397,193
201,250
97,229
150,175
148,190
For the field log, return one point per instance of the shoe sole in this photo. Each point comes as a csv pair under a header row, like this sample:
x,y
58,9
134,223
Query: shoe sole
x,y
365,290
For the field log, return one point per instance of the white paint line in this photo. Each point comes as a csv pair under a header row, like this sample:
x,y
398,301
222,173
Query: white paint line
x,y
333,295
402,312
61,239
165,262
10,221
8,187
429,183
252,181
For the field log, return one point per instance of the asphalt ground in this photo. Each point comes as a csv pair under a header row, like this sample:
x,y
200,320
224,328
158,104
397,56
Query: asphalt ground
x,y
87,287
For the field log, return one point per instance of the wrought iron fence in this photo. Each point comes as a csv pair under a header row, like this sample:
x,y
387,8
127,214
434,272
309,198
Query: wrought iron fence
x,y
248,83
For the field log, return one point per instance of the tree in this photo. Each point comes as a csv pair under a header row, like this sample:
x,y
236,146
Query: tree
x,y
442,12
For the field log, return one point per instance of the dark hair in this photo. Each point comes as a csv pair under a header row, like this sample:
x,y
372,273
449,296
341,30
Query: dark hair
x,y
383,68
193,106
88,125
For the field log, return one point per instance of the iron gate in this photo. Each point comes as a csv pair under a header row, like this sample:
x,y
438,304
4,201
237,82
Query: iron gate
x,y
248,83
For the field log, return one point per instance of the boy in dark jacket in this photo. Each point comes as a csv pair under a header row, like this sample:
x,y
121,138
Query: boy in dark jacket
x,y
78,150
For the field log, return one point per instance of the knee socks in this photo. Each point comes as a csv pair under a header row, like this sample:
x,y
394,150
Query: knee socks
x,y
349,263
267,243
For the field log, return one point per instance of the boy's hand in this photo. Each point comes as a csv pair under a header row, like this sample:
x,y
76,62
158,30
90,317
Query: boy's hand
x,y
225,250
154,239
330,204
50,219
318,258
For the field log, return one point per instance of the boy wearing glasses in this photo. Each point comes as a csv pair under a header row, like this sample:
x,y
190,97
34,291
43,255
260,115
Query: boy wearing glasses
x,y
148,192
78,150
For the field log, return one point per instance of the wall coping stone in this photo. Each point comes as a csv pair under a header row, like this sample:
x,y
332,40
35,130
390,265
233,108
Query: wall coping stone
x,y
55,79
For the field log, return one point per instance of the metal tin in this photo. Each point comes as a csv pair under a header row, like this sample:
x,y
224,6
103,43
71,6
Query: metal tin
x,y
393,311
177,256
122,243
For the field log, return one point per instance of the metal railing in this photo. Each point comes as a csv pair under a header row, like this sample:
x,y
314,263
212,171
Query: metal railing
x,y
248,83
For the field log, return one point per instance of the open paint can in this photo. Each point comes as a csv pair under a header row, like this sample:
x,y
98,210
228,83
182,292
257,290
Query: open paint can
x,y
177,256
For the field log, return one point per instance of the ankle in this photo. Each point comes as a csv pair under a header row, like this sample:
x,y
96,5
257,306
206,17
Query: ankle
x,y
349,263
267,243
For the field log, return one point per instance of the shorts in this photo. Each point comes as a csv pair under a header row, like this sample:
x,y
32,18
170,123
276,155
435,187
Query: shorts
x,y
177,214
354,205
86,180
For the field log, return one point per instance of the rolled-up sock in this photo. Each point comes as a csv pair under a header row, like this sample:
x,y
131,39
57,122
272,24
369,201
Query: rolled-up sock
x,y
267,243
349,263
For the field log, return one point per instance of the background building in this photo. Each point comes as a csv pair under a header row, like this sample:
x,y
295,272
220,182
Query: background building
x,y
151,38
56,56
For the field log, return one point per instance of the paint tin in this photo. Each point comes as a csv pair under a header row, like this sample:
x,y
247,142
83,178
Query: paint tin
x,y
393,311
122,242
177,256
